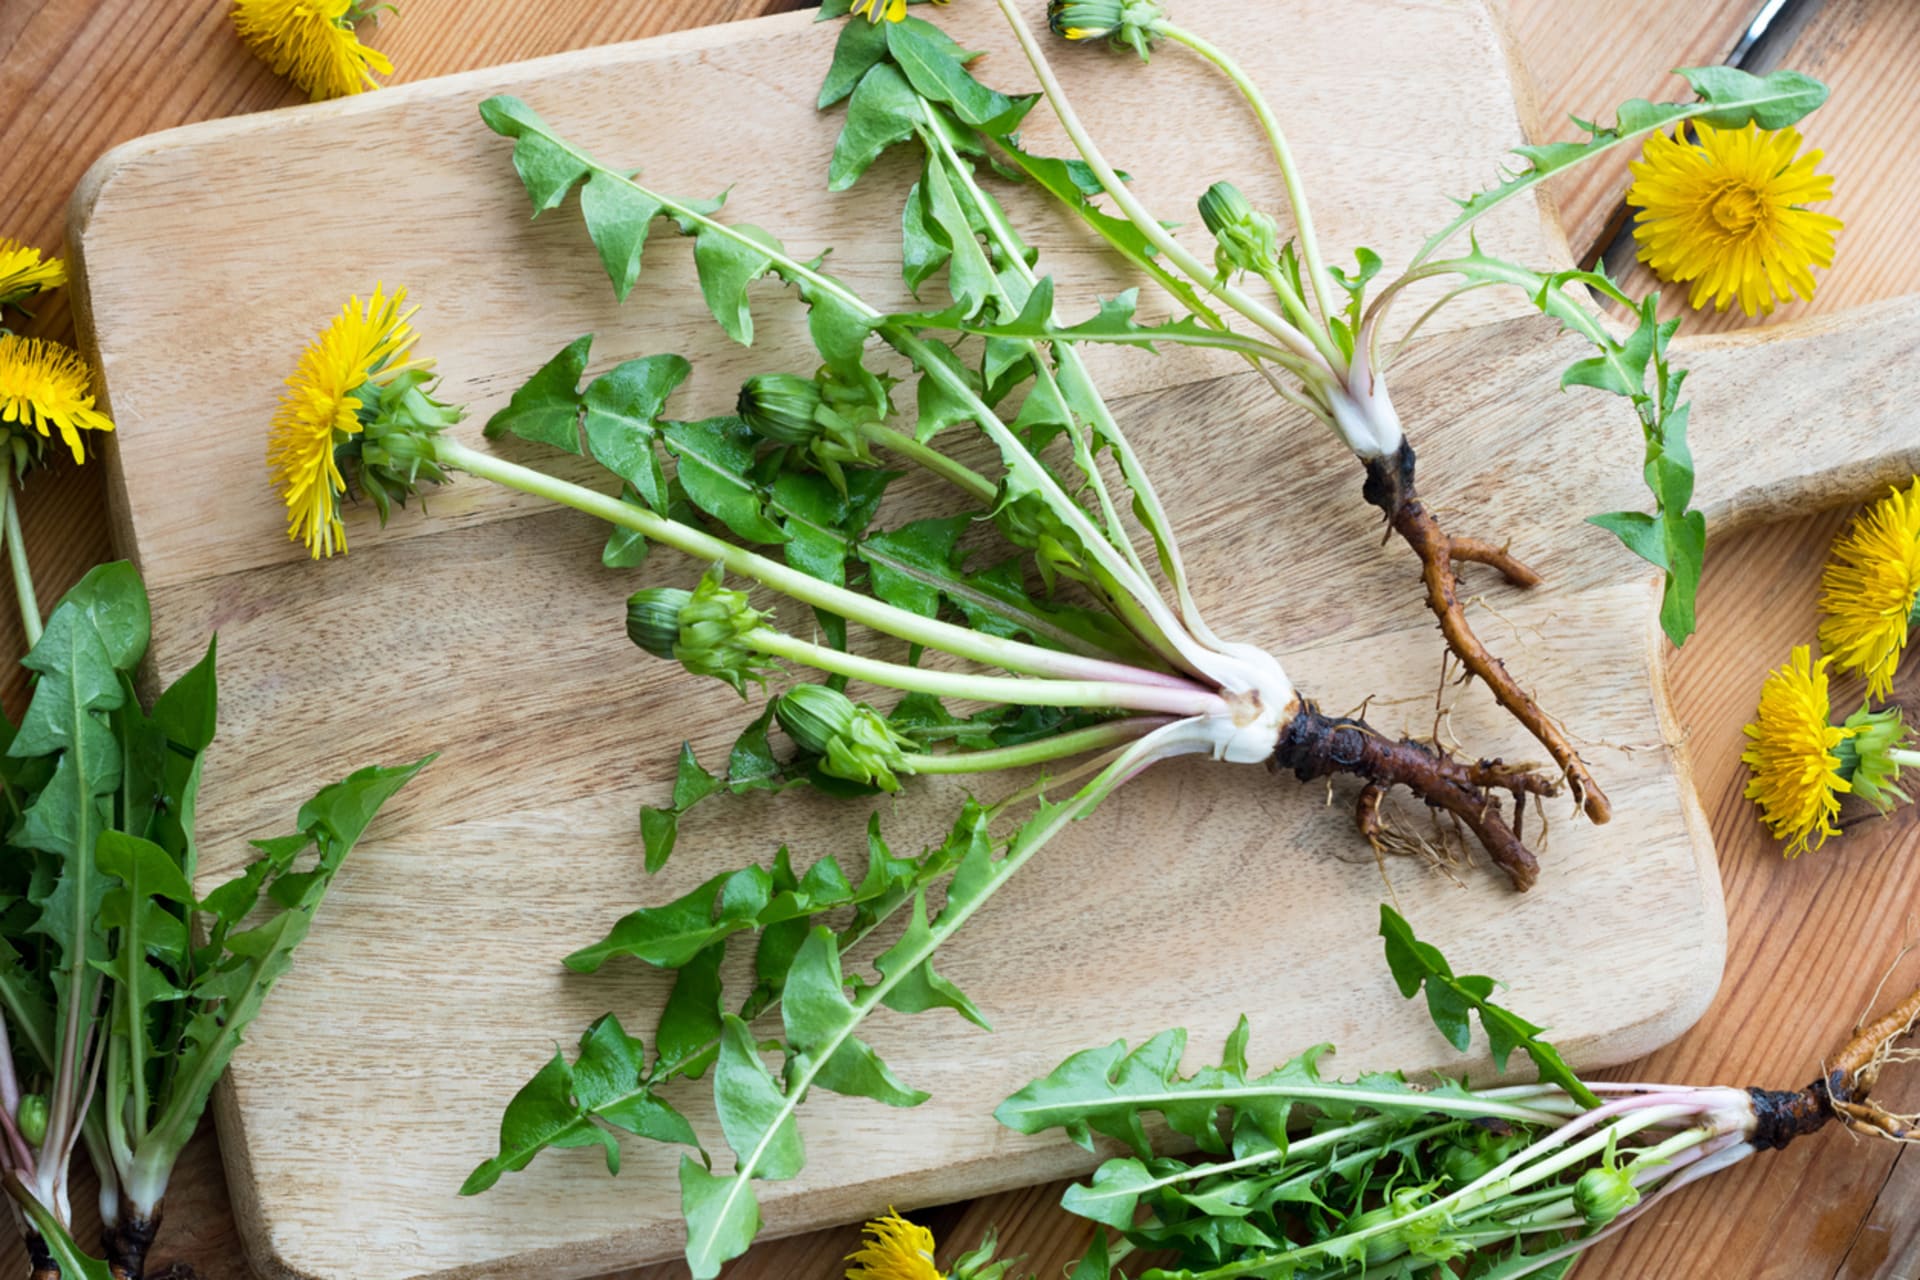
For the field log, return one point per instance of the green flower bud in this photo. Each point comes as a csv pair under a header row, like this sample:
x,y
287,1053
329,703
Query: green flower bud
x,y
1603,1194
813,715
870,751
711,624
653,619
780,407
1031,524
31,1118
1464,1163
854,741
1247,240
1122,23
1872,754
1388,1245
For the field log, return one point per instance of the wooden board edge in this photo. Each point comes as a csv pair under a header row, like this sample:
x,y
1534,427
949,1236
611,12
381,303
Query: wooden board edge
x,y
1657,1033
1815,480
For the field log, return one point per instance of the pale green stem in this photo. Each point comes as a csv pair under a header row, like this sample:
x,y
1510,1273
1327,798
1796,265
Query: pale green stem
x,y
1029,842
1317,275
1053,782
1012,251
1658,1154
954,473
1004,689
985,491
1182,293
1058,747
113,1093
1220,340
1486,270
1905,757
17,555
1400,344
1160,525
1466,1106
1296,308
1012,655
1142,219
1504,1180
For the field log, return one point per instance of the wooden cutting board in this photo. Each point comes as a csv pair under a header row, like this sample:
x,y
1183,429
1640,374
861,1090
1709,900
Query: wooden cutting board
x,y
485,628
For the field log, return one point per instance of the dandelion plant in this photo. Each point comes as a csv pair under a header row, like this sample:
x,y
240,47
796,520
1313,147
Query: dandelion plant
x,y
1296,1175
1324,346
123,995
1050,625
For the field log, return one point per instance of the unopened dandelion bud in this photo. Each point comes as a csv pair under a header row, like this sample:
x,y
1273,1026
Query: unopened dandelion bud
x,y
869,751
813,715
1464,1165
1388,1245
31,1118
1247,240
854,741
1872,756
781,407
1603,1194
712,624
1122,23
653,619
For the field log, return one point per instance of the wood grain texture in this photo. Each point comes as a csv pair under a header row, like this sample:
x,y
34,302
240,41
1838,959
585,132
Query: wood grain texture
x,y
489,619
115,69
1869,51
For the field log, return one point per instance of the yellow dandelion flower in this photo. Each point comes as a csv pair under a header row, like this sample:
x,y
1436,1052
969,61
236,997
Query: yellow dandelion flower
x,y
1797,779
1727,214
884,10
1869,589
313,43
42,385
318,410
895,1249
23,273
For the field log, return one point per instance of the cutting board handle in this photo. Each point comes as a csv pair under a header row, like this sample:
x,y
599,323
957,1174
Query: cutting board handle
x,y
1838,417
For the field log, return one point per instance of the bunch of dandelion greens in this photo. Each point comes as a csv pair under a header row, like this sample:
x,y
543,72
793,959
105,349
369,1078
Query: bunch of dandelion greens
x,y
45,387
123,995
1325,347
1298,1176
1103,669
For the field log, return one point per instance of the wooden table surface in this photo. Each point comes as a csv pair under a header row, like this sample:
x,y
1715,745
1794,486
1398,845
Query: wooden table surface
x,y
1809,940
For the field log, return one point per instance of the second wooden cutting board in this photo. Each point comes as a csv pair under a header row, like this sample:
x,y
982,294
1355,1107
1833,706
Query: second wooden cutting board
x,y
486,630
